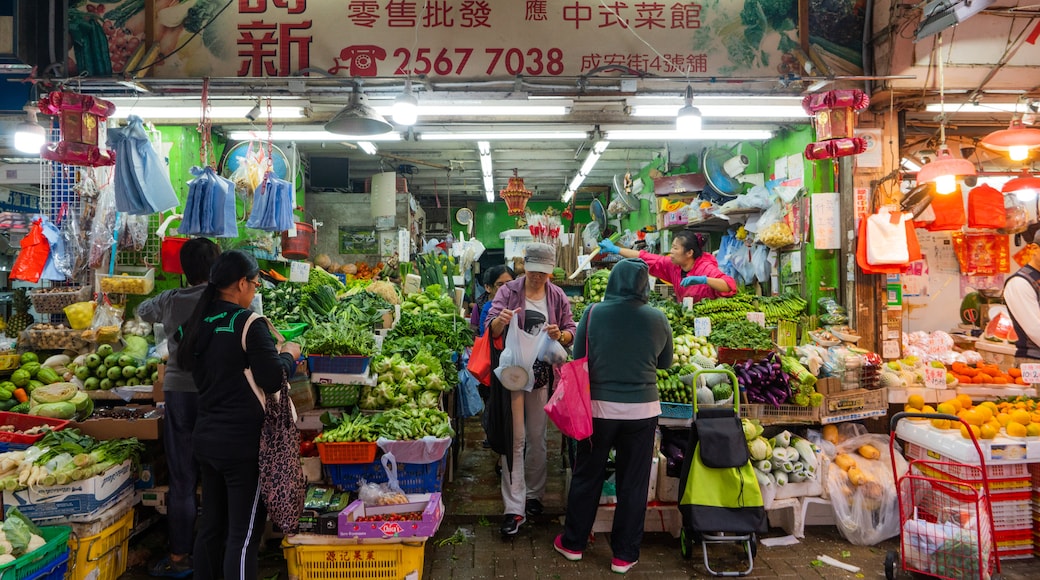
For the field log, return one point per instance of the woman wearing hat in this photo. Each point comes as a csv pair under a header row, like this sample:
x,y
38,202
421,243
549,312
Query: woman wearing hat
x,y
516,427
691,271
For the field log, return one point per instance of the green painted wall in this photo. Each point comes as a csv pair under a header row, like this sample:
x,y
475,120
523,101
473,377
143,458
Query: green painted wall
x,y
492,219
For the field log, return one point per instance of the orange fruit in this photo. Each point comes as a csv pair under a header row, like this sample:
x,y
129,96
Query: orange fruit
x,y
941,423
915,401
927,409
948,407
1016,429
987,431
975,429
1003,419
1033,430
985,412
972,417
965,401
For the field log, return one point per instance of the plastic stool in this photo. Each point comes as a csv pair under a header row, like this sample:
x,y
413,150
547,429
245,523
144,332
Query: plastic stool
x,y
786,514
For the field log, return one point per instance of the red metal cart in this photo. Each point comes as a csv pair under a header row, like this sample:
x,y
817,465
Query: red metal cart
x,y
945,521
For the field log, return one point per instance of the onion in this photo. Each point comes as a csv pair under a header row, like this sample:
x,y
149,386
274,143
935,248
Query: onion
x,y
323,260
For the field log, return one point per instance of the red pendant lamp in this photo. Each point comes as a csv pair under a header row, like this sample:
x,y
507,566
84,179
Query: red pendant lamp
x,y
1017,140
1025,186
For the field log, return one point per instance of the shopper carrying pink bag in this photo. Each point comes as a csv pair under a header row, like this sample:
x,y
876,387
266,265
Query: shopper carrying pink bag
x,y
570,406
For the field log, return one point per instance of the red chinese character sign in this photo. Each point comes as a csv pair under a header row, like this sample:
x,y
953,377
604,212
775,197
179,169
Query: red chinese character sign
x,y
834,116
460,39
81,119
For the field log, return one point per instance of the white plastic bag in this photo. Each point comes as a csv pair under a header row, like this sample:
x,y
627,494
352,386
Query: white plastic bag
x,y
886,241
517,358
550,351
866,514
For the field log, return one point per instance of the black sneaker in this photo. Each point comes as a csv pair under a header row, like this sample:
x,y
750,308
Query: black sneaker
x,y
170,569
511,525
534,507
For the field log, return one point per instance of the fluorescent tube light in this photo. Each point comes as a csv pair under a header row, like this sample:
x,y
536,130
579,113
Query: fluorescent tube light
x,y
980,108
716,111
462,109
301,135
495,136
910,165
485,170
673,135
368,147
586,168
194,112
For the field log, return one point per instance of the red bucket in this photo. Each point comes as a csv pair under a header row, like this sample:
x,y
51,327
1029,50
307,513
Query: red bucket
x,y
170,248
298,247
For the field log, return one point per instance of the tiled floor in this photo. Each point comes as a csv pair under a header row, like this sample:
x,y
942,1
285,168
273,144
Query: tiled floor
x,y
474,506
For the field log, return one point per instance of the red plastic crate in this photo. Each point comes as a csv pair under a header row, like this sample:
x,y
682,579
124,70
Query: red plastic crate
x,y
21,422
340,453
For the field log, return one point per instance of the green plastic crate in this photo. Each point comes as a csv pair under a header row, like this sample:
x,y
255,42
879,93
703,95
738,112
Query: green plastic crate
x,y
293,330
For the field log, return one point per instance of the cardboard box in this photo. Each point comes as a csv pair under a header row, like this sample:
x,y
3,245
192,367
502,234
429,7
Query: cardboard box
x,y
143,429
429,504
78,497
828,386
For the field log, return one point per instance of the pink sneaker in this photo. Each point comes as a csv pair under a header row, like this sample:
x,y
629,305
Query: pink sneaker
x,y
621,566
568,554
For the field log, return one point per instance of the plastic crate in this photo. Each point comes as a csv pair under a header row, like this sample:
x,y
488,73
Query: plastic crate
x,y
993,471
21,422
42,562
55,337
10,361
363,560
134,280
676,410
292,331
854,405
102,556
413,477
56,569
54,300
339,453
337,395
349,365
780,415
735,355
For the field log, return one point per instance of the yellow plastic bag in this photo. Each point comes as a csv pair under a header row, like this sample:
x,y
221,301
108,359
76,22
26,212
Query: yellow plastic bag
x,y
80,314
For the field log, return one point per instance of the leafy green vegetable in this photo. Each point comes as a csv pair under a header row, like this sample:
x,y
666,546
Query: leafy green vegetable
x,y
741,334
336,338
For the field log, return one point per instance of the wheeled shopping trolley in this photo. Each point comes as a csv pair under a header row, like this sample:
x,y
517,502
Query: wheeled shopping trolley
x,y
719,496
945,518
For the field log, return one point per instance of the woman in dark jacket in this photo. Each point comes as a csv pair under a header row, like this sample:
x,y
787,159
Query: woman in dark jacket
x,y
226,439
625,407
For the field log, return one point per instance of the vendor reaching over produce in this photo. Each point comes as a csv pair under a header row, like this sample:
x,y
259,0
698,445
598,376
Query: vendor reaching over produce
x,y
693,272
1022,296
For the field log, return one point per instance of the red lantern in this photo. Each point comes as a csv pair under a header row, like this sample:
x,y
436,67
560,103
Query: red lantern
x,y
81,120
516,195
835,120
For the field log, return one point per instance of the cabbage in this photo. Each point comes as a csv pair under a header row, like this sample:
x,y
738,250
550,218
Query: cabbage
x,y
429,400
434,382
759,449
782,439
752,428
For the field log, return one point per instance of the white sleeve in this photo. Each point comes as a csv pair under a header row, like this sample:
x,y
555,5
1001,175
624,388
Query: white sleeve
x,y
1022,302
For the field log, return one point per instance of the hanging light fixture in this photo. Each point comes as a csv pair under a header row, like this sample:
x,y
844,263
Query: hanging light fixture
x,y
945,168
1025,187
1017,140
688,119
406,107
358,119
29,136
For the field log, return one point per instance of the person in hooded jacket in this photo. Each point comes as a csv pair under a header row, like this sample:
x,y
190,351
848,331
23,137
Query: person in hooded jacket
x,y
625,408
691,271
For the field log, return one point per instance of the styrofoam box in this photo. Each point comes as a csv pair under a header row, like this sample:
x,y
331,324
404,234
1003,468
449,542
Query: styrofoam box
x,y
77,497
667,487
664,518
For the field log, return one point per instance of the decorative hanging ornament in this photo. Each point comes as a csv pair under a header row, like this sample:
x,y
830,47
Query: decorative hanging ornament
x,y
81,119
834,115
516,195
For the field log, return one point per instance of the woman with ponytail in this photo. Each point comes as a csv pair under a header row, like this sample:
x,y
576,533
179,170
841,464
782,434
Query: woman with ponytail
x,y
226,439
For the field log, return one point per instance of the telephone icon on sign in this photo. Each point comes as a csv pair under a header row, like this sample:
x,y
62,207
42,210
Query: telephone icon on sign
x,y
359,60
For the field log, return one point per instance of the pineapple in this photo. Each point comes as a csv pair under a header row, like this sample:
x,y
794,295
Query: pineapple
x,y
21,319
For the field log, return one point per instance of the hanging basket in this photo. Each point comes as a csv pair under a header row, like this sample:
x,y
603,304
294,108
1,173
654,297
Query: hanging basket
x,y
516,195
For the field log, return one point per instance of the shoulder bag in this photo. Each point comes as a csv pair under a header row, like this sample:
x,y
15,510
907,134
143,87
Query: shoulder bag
x,y
282,484
570,406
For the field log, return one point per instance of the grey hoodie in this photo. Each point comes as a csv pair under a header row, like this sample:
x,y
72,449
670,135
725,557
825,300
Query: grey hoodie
x,y
172,308
628,340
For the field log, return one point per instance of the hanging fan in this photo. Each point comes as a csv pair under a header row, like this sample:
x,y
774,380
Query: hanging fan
x,y
721,169
623,203
253,151
917,200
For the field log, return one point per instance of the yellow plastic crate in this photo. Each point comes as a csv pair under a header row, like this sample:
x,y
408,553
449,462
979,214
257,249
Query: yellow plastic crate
x,y
354,561
101,556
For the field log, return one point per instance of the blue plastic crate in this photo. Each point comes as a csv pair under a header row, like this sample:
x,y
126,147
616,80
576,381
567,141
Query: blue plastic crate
x,y
49,562
676,410
344,365
413,477
6,446
53,570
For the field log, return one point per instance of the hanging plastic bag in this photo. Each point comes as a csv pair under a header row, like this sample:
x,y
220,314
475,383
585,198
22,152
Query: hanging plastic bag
x,y
272,205
1017,217
102,232
886,237
470,403
210,206
133,233
516,363
760,262
250,171
107,323
32,258
551,351
948,210
141,179
72,235
57,268
986,208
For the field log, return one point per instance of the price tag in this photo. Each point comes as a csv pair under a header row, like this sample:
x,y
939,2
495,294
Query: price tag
x,y
890,349
757,317
701,326
299,271
1031,373
934,378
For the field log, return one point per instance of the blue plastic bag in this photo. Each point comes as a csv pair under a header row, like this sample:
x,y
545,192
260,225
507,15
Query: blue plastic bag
x,y
470,403
210,207
58,266
141,181
272,205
